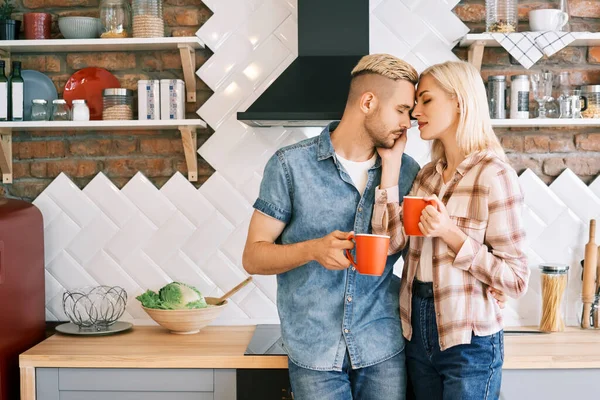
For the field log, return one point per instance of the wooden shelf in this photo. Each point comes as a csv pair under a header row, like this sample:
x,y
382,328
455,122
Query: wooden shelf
x,y
187,127
476,42
586,39
185,45
93,45
545,123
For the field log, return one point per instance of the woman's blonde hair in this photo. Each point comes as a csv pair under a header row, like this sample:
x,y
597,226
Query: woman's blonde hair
x,y
474,133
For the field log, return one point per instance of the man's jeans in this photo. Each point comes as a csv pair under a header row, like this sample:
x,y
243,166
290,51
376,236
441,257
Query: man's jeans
x,y
464,372
382,381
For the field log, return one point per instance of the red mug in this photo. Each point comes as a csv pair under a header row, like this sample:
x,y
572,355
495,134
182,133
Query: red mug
x,y
37,25
412,207
371,253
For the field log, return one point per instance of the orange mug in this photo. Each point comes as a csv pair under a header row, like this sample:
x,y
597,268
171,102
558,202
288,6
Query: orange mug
x,y
412,207
371,253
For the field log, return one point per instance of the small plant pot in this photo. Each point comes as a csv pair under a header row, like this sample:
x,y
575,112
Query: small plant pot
x,y
9,29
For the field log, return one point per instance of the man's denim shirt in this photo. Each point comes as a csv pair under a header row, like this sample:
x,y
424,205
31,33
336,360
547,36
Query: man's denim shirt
x,y
323,313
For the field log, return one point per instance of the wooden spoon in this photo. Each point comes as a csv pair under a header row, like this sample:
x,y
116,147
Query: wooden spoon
x,y
234,290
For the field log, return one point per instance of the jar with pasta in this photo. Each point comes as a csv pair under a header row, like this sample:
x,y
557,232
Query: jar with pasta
x,y
554,278
148,20
117,104
591,96
115,16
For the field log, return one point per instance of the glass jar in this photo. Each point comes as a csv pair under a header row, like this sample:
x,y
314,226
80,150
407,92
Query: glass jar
x,y
117,104
148,20
594,311
554,280
519,97
39,110
501,16
80,110
591,95
60,110
115,16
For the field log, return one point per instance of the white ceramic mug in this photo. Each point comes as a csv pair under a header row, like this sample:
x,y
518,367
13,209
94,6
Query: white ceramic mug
x,y
547,20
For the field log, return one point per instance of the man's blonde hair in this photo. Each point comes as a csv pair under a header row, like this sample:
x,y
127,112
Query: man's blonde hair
x,y
474,133
387,66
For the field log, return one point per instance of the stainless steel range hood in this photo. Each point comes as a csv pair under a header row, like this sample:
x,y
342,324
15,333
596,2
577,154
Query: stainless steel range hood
x,y
332,36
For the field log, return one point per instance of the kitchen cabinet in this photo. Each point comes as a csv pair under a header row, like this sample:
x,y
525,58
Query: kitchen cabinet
x,y
132,384
549,384
161,365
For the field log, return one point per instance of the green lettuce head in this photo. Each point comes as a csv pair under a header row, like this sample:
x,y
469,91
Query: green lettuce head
x,y
174,296
178,296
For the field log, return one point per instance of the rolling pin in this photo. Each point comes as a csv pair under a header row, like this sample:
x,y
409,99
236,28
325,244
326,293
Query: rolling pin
x,y
597,311
589,276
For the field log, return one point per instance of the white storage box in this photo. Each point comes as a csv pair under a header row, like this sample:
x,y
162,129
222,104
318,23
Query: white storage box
x,y
148,100
172,99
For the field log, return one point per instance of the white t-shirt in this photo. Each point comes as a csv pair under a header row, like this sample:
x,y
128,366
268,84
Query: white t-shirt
x,y
358,171
425,269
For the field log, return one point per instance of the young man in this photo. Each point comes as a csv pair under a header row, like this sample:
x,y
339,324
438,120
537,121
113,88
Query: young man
x,y
341,329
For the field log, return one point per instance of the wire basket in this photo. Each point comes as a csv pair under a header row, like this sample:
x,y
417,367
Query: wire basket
x,y
95,308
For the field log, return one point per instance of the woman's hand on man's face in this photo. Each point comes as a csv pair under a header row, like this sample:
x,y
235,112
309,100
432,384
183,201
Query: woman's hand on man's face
x,y
394,154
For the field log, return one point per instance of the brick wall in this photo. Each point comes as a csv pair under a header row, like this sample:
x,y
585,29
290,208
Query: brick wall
x,y
546,151
40,156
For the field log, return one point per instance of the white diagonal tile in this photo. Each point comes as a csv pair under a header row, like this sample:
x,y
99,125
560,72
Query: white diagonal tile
x,y
138,231
207,239
287,33
109,199
258,306
144,271
224,273
180,268
58,235
92,239
69,273
71,200
167,239
226,199
187,199
222,65
575,194
48,208
264,21
542,201
148,200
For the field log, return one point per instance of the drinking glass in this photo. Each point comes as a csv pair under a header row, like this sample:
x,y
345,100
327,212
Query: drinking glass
x,y
541,85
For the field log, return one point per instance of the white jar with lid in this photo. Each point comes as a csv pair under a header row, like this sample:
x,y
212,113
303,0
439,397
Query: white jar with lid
x,y
80,111
519,97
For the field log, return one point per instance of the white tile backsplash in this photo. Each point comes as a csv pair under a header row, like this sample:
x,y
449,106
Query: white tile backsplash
x,y
141,237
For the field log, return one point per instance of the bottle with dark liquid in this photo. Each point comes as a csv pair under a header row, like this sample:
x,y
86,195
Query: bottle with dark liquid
x,y
3,93
15,93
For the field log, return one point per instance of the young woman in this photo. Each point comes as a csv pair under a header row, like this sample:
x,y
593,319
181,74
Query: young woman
x,y
473,240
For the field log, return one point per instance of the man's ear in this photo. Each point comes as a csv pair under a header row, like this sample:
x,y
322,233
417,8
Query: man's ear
x,y
368,102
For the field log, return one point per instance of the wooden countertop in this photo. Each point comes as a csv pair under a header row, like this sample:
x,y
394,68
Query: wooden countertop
x,y
224,346
151,347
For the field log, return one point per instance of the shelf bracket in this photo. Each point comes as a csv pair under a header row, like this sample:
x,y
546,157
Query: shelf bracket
x,y
188,64
475,55
6,155
190,147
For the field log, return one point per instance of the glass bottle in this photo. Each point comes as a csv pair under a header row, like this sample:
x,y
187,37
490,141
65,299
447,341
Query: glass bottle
x,y
3,93
80,111
39,110
563,6
60,110
115,16
501,16
15,93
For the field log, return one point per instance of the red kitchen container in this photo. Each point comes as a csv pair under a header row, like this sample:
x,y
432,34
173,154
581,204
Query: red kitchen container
x,y
37,25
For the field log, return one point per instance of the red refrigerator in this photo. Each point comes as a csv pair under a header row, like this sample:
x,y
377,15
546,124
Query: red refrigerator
x,y
22,308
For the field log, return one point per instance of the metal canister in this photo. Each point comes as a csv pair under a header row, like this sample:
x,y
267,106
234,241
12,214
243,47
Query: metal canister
x,y
497,96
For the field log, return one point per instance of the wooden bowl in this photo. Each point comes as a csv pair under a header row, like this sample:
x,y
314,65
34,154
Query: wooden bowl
x,y
186,322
